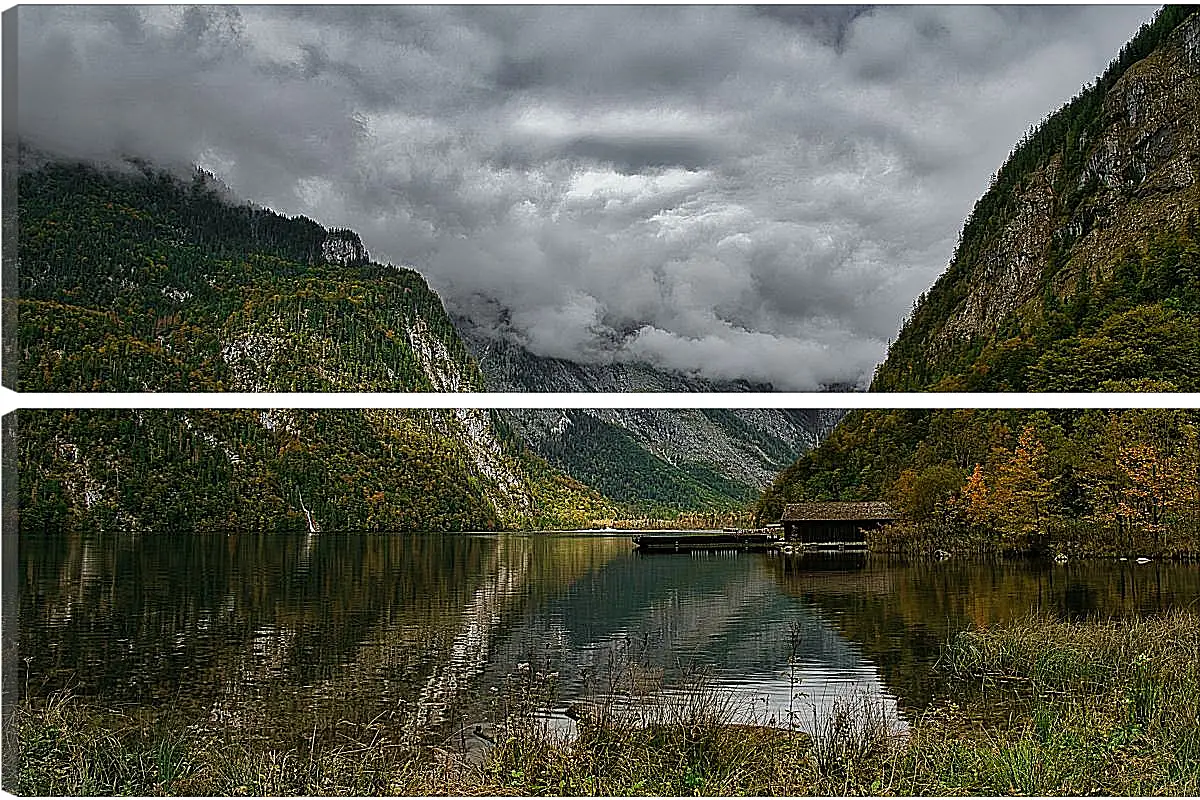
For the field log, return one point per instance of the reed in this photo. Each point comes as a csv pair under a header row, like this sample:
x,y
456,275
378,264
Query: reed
x,y
1091,707
69,746
1036,706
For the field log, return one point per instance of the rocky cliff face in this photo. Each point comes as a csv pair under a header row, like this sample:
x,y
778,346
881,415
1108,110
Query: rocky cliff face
x,y
344,248
744,447
1140,176
694,457
1108,175
1007,274
1145,164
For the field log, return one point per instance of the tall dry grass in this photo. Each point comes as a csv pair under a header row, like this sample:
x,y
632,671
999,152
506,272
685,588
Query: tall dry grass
x,y
1036,706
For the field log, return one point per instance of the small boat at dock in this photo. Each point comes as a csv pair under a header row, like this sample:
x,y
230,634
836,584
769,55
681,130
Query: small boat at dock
x,y
693,541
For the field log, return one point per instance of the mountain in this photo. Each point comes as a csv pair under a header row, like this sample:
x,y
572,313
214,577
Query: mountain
x,y
148,470
656,457
133,279
1079,269
350,469
136,280
681,458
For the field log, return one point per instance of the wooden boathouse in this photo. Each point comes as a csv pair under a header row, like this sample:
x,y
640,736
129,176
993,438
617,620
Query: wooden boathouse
x,y
833,526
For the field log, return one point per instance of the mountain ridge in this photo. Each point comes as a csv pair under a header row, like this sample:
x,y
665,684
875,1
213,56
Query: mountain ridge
x,y
724,457
136,281
1085,244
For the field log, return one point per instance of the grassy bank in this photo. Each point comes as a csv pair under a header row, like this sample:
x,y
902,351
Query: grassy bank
x,y
1031,707
1065,708
1035,707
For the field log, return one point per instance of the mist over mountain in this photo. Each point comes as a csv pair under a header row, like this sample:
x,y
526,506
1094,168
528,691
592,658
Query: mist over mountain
x,y
137,280
732,192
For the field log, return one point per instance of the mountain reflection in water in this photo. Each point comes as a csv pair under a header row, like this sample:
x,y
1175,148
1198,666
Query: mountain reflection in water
x,y
263,632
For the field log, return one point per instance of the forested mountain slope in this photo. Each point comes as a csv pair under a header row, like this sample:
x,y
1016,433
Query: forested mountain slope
x,y
459,469
154,470
1079,269
656,458
689,458
138,281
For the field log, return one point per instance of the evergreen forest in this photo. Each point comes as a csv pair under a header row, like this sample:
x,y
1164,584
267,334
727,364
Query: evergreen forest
x,y
137,280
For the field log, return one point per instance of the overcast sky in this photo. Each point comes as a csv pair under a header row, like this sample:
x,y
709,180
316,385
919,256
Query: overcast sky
x,y
738,192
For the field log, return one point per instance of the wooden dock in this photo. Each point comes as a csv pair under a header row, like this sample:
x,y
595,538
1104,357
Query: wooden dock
x,y
694,541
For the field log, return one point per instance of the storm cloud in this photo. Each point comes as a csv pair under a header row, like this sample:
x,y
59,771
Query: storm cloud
x,y
730,191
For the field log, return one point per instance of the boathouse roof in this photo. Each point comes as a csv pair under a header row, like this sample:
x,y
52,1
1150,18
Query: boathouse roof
x,y
838,512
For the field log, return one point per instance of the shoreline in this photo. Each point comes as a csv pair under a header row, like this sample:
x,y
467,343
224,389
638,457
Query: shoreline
x,y
1034,706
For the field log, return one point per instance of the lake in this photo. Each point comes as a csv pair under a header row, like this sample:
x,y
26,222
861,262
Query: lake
x,y
268,633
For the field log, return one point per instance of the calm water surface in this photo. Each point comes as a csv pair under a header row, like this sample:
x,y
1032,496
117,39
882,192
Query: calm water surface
x,y
270,631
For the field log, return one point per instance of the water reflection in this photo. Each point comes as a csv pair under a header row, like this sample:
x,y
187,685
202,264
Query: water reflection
x,y
265,633
902,613
670,616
